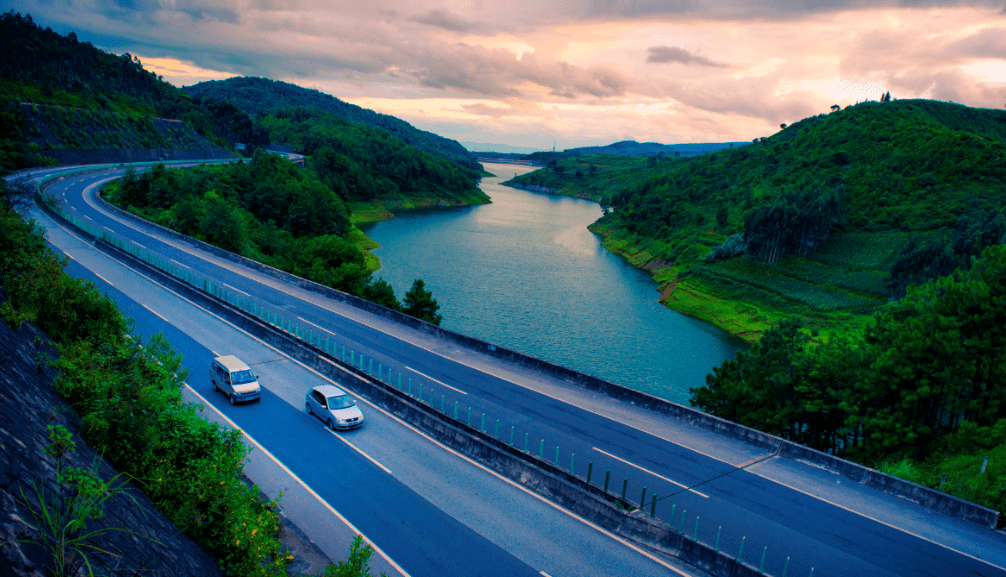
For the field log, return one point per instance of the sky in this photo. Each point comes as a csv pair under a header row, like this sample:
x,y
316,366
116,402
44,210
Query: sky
x,y
571,73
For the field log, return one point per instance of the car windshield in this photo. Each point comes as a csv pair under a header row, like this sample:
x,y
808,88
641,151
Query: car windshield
x,y
241,377
340,402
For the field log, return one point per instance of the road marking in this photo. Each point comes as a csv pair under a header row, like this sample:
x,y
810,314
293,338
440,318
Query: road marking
x,y
544,574
155,312
108,229
138,244
103,278
435,381
542,499
178,263
316,326
865,516
287,470
244,272
672,481
357,449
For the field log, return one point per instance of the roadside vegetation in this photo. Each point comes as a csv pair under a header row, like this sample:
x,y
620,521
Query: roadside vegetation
x,y
127,391
862,252
270,211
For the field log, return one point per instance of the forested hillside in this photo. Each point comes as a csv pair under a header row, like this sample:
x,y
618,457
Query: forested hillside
x,y
263,96
831,216
40,66
360,162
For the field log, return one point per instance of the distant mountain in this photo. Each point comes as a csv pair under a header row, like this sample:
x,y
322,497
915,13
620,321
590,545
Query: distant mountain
x,y
480,147
633,148
261,95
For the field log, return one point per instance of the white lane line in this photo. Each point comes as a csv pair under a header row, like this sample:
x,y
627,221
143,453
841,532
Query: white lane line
x,y
672,481
555,506
237,290
544,574
304,298
865,516
108,229
139,245
435,381
256,443
74,207
287,470
176,262
155,312
357,449
103,278
316,326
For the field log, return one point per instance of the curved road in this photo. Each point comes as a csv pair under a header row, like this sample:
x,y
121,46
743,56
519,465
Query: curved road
x,y
801,518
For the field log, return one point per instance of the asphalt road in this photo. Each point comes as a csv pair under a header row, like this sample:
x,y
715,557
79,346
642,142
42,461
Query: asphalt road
x,y
799,516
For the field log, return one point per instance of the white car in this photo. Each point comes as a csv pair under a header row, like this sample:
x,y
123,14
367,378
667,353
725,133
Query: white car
x,y
236,379
332,405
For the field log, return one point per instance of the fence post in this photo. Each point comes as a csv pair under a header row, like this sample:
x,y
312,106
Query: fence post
x,y
717,549
642,500
741,550
455,410
541,449
607,477
695,536
571,468
557,456
590,469
761,566
653,510
625,486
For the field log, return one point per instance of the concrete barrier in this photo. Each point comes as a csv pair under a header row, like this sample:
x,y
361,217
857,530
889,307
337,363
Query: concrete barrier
x,y
586,500
925,496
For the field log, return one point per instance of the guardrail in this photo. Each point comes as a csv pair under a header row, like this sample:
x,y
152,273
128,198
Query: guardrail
x,y
584,495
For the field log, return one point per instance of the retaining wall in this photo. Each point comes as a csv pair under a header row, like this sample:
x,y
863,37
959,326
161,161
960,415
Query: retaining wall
x,y
925,496
128,155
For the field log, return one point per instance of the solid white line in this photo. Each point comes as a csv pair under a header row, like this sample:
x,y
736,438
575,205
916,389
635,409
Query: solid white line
x,y
865,516
108,229
140,245
103,278
436,381
176,262
651,472
316,326
155,312
544,574
357,449
301,482
569,514
324,307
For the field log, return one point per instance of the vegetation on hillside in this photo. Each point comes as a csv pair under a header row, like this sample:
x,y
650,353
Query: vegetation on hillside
x,y
43,67
127,391
359,162
829,218
261,96
269,211
924,382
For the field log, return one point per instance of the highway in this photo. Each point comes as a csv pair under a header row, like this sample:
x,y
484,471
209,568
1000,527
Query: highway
x,y
801,518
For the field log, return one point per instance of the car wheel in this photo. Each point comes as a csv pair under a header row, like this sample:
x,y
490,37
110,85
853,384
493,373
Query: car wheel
x,y
232,400
309,411
215,387
331,424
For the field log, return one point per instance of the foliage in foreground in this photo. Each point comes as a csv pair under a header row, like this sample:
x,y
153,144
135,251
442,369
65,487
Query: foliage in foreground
x,y
61,515
128,394
926,375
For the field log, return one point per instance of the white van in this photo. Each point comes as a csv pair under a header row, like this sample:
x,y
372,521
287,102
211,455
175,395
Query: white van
x,y
236,379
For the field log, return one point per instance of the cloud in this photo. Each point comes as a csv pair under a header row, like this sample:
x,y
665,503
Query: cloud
x,y
662,54
447,21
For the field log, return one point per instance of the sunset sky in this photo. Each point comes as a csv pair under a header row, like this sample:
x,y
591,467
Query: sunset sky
x,y
577,73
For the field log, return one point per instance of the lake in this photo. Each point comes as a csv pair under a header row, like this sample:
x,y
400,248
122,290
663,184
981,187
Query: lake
x,y
525,273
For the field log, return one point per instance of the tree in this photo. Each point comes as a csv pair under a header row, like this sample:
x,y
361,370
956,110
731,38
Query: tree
x,y
420,303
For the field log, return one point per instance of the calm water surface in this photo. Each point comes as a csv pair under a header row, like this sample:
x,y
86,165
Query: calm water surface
x,y
525,273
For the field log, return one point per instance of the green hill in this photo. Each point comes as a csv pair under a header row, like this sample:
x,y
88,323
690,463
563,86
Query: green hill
x,y
823,211
263,96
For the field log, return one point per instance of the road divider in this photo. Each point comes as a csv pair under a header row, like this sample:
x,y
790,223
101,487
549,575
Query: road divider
x,y
547,478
